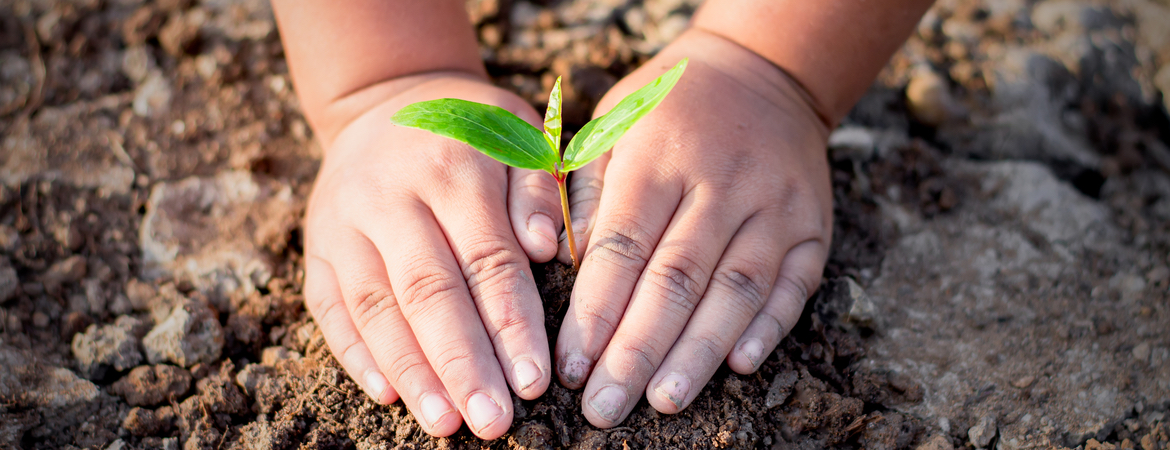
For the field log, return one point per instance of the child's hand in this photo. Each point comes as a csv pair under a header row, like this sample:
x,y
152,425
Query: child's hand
x,y
413,269
711,231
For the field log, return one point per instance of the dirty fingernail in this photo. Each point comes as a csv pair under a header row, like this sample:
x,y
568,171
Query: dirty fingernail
x,y
482,411
575,368
434,407
609,402
541,225
675,388
526,373
752,349
375,384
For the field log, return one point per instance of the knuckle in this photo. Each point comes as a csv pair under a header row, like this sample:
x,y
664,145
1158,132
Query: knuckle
x,y
748,286
680,282
425,283
602,316
638,350
792,288
410,365
626,246
584,191
370,302
454,362
708,350
490,262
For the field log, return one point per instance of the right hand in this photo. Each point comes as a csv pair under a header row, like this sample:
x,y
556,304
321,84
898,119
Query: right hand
x,y
414,272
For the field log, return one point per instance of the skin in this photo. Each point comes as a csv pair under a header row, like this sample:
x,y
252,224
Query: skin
x,y
418,274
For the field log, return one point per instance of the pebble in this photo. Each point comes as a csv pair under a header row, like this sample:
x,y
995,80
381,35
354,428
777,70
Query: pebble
x,y
937,441
26,382
191,334
1024,381
9,281
153,96
69,270
983,431
115,345
862,311
9,239
1141,352
275,354
780,388
151,385
929,98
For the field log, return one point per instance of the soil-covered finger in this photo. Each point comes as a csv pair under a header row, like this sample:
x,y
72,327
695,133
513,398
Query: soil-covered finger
x,y
631,219
432,295
662,304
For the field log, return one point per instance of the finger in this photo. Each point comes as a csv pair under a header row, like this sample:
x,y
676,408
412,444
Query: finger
x,y
737,291
435,301
363,280
500,281
534,206
663,301
584,197
324,301
631,218
799,277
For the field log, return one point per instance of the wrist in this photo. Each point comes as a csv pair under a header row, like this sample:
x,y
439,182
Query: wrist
x,y
750,70
330,119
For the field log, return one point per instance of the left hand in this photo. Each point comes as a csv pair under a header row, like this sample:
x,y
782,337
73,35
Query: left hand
x,y
710,232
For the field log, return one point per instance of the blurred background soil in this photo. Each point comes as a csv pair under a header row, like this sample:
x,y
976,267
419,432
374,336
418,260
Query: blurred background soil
x,y
999,275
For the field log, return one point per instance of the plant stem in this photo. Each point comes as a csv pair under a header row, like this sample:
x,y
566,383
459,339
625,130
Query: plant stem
x,y
561,180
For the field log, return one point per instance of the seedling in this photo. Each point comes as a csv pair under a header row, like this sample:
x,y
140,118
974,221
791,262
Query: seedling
x,y
509,139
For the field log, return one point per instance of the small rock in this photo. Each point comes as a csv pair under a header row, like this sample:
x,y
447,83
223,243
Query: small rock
x,y
153,96
9,282
115,345
1155,275
151,385
140,295
118,444
780,388
1128,285
861,310
983,431
532,436
137,63
937,441
26,382
40,319
930,100
1141,352
180,31
144,422
69,270
852,143
275,354
9,239
252,376
191,334
1024,381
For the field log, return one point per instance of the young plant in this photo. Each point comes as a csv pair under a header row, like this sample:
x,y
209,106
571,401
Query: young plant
x,y
509,139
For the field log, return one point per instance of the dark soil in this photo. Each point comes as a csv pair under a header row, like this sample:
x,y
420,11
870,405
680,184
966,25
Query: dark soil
x,y
70,216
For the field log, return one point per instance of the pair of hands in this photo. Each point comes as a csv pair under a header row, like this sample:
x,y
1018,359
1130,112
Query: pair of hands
x,y
710,232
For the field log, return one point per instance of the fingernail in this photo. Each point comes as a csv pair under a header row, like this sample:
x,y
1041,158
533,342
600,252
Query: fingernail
x,y
609,402
434,407
526,373
580,224
482,411
542,225
752,349
675,388
375,384
575,367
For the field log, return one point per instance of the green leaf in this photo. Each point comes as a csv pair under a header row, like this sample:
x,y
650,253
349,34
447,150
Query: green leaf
x,y
490,129
552,118
600,134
